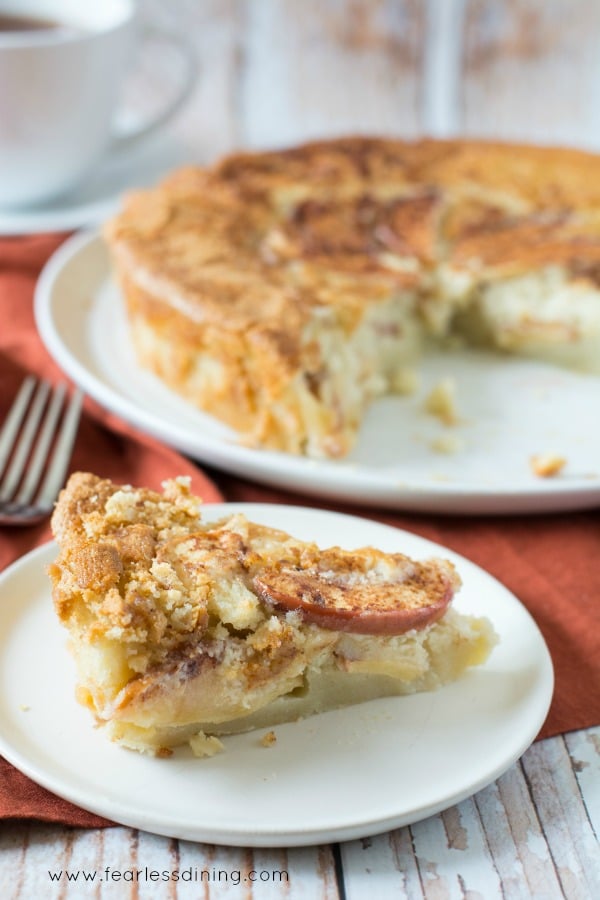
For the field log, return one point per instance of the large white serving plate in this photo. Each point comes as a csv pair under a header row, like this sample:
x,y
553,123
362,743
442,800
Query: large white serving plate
x,y
337,776
509,409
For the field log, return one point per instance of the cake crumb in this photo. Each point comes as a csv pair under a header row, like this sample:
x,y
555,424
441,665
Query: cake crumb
x,y
547,465
205,745
404,381
164,752
447,443
441,402
24,708
268,739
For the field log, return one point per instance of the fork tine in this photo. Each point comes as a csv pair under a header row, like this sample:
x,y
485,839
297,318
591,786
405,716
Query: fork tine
x,y
40,453
19,460
13,420
62,453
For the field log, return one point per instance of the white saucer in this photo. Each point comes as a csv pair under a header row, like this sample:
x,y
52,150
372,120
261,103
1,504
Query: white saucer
x,y
98,198
337,776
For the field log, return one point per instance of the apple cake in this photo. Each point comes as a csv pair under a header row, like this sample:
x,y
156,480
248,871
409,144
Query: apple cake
x,y
183,630
282,291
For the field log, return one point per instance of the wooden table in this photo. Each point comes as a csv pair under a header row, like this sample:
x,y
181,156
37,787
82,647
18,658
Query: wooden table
x,y
278,71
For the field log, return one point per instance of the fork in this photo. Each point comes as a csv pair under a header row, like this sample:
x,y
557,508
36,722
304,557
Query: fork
x,y
32,471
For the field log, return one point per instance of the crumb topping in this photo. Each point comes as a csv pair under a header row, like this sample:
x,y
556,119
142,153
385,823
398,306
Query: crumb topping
x,y
441,401
547,465
269,739
143,570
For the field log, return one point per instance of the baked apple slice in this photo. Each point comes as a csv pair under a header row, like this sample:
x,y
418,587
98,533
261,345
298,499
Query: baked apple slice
x,y
362,591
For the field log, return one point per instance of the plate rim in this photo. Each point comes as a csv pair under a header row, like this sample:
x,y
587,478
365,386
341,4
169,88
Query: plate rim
x,y
320,478
306,834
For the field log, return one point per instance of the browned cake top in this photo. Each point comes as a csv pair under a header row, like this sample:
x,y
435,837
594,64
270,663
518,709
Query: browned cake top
x,y
263,238
141,568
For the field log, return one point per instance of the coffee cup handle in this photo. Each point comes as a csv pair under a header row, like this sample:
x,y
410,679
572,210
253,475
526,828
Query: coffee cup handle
x,y
132,137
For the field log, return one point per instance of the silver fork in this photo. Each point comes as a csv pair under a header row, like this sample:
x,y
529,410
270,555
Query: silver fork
x,y
32,471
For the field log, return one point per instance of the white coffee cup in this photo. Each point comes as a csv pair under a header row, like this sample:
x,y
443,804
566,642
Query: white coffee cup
x,y
60,89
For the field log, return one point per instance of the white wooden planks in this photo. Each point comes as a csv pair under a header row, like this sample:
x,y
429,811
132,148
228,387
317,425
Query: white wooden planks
x,y
509,840
275,72
531,70
329,67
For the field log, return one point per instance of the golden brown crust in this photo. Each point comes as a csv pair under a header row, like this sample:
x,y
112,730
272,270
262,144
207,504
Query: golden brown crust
x,y
355,196
109,537
126,551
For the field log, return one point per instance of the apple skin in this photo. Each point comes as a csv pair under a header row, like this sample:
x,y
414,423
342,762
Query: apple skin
x,y
383,607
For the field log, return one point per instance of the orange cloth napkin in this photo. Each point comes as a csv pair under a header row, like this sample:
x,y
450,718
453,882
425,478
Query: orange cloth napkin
x,y
549,561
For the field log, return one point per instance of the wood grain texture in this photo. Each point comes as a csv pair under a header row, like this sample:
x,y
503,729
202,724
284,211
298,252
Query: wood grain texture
x,y
553,785
328,67
277,71
508,841
209,124
122,861
531,70
584,751
440,111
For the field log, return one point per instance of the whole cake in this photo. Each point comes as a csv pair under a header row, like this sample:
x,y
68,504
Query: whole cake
x,y
282,291
183,630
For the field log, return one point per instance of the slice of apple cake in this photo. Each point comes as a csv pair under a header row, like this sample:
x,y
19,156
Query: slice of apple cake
x,y
183,630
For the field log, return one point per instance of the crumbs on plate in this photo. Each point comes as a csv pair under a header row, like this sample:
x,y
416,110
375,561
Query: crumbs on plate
x,y
441,402
547,465
268,739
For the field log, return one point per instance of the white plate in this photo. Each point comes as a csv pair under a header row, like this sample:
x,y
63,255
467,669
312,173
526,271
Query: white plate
x,y
98,197
510,409
337,776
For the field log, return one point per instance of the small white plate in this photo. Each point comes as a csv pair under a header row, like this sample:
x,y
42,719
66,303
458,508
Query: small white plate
x,y
97,198
510,409
337,776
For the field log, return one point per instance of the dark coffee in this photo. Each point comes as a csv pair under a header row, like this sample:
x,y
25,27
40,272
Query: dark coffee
x,y
26,23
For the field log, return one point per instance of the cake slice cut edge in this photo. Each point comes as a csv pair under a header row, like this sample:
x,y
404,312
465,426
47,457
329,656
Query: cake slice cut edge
x,y
184,630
